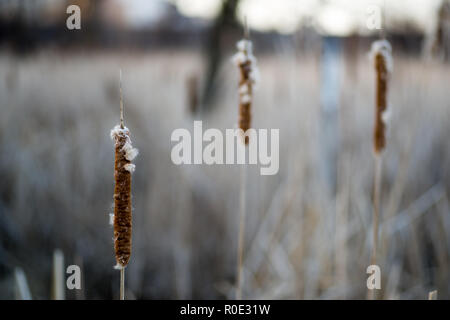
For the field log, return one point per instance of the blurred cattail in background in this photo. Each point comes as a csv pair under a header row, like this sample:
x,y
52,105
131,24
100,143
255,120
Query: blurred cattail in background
x,y
381,52
382,58
246,62
123,168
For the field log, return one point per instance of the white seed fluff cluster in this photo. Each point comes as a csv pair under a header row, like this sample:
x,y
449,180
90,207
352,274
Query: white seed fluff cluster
x,y
386,115
119,267
245,54
130,151
130,167
383,47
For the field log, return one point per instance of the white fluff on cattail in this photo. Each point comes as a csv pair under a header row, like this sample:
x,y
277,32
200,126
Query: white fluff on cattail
x,y
254,75
386,115
244,54
111,219
130,151
383,47
119,267
118,131
130,167
243,89
245,45
246,98
239,58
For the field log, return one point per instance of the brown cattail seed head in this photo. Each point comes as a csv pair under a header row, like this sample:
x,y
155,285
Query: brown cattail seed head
x,y
124,154
381,51
246,62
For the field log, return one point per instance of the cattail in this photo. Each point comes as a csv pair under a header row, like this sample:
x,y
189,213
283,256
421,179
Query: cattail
x,y
248,71
123,168
381,52
124,154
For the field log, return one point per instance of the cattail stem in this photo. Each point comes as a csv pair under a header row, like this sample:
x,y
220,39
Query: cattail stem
x,y
383,21
376,205
246,30
240,252
122,284
376,213
121,99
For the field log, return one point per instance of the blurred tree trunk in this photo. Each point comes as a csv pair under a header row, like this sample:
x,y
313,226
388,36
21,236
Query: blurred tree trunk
x,y
224,22
441,44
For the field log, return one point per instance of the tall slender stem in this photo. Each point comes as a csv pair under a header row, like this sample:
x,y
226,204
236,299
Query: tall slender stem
x,y
121,99
241,232
383,21
376,212
122,283
246,30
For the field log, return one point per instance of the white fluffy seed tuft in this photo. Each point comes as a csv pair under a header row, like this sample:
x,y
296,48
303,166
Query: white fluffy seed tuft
x,y
118,131
385,48
246,98
130,152
245,54
130,167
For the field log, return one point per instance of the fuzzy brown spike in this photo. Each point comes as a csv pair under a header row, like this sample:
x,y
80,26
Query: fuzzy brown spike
x,y
248,74
379,135
245,116
122,201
